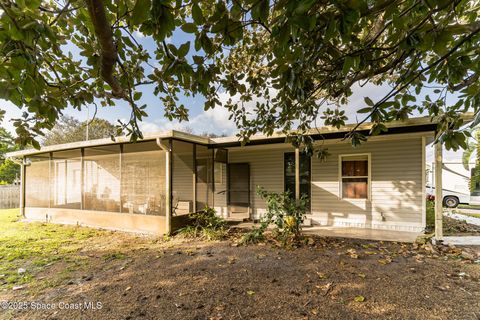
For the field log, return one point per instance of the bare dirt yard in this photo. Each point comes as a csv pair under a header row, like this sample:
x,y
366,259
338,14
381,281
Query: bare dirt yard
x,y
127,276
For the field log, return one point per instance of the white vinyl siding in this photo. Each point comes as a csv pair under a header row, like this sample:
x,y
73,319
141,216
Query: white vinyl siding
x,y
396,187
266,170
395,183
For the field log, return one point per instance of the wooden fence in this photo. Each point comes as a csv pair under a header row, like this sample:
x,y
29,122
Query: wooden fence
x,y
9,196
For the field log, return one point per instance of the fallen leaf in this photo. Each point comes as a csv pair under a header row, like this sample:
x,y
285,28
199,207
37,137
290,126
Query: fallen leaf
x,y
352,253
322,275
385,261
362,275
359,298
250,292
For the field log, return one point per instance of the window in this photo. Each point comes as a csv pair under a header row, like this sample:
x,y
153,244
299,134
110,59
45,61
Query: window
x,y
354,176
289,173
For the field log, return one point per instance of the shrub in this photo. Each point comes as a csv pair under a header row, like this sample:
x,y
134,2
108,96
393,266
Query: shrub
x,y
284,212
430,214
204,224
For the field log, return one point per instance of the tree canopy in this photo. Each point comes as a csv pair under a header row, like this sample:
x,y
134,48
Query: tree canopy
x,y
9,171
296,60
69,129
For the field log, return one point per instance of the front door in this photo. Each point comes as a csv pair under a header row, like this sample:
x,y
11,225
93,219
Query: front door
x,y
239,190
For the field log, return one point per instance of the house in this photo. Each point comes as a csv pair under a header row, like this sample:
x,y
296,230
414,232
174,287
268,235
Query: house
x,y
151,185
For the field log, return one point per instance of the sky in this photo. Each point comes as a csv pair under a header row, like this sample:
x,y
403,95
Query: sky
x,y
200,121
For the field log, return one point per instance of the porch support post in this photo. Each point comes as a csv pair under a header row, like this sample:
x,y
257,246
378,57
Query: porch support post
x,y
438,192
194,204
297,174
82,179
120,160
22,188
167,147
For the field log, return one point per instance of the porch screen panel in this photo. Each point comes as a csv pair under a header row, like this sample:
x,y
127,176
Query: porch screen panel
x,y
102,178
143,179
37,181
220,178
66,179
204,177
182,177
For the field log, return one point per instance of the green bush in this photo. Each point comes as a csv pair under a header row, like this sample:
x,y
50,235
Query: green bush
x,y
204,224
284,212
430,215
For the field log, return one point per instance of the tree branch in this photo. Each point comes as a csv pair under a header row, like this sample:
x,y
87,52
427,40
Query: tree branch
x,y
466,82
108,49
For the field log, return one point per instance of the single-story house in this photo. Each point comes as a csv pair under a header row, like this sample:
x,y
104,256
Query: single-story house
x,y
149,185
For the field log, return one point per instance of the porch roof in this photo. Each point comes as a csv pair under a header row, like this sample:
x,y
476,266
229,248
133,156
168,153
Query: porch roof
x,y
419,124
412,125
107,141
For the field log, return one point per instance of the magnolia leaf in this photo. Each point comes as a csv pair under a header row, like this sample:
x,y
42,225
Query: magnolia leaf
x,y
197,14
189,27
141,11
369,101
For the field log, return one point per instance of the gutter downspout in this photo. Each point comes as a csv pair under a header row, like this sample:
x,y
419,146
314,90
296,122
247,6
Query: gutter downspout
x,y
168,183
23,164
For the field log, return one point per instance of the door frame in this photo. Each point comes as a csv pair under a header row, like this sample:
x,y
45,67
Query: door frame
x,y
247,206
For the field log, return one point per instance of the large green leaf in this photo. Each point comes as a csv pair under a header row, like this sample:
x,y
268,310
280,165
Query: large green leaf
x,y
141,11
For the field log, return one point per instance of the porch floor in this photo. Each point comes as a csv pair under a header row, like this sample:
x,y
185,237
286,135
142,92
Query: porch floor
x,y
356,233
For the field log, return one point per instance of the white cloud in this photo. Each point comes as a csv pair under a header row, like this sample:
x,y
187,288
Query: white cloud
x,y
138,34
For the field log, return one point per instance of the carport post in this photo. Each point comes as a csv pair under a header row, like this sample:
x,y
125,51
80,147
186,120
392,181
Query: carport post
x,y
438,192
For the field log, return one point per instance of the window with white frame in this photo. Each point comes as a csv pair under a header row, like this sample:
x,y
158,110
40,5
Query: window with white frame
x,y
354,176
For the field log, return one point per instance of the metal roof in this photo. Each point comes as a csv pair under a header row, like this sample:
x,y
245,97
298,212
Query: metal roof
x,y
419,124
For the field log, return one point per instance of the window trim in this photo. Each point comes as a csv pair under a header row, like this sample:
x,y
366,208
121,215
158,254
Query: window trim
x,y
369,176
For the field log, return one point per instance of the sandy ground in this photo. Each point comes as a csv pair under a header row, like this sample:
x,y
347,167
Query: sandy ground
x,y
135,277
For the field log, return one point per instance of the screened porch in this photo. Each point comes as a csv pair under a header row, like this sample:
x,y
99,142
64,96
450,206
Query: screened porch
x,y
146,186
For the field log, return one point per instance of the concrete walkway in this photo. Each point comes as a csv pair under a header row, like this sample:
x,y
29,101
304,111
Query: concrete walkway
x,y
362,233
462,241
462,217
354,233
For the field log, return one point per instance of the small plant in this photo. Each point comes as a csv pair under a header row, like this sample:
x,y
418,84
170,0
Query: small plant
x,y
285,212
204,224
430,213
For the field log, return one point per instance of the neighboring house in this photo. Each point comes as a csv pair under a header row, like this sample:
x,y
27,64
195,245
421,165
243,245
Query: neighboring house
x,y
150,186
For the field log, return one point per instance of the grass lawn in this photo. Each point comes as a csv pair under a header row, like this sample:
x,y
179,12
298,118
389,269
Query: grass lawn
x,y
468,206
140,277
470,214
